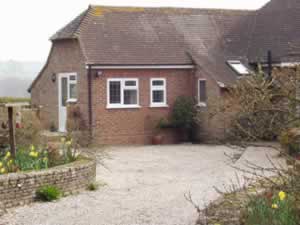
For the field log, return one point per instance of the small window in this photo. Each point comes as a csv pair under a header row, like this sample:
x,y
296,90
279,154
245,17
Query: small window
x,y
238,67
158,92
122,93
202,94
72,87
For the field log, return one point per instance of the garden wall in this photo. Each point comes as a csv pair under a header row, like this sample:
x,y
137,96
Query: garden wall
x,y
17,189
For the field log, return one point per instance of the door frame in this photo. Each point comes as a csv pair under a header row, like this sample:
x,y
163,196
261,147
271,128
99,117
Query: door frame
x,y
60,114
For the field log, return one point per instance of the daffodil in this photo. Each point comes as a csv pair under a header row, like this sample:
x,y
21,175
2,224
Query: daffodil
x,y
32,148
282,195
10,162
1,164
3,170
63,140
274,206
7,155
68,143
34,154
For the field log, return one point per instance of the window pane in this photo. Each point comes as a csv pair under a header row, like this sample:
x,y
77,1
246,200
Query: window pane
x,y
64,91
114,92
158,96
72,77
73,91
202,91
130,97
130,83
158,83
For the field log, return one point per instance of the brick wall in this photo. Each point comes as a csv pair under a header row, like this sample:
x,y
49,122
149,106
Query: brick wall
x,y
136,126
122,126
65,56
18,189
210,129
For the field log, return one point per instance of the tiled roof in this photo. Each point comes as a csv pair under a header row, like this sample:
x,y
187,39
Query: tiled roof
x,y
159,36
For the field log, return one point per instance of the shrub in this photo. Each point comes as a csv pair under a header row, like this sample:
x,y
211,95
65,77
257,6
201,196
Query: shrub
x,y
290,141
49,193
183,112
183,115
279,210
94,186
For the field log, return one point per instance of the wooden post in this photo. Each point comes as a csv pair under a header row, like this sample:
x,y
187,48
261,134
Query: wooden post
x,y
12,138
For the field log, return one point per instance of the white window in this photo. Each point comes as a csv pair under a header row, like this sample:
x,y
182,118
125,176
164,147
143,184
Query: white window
x,y
72,88
122,93
158,92
202,95
238,67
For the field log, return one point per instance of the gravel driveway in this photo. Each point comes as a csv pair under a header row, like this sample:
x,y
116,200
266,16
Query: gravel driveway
x,y
145,185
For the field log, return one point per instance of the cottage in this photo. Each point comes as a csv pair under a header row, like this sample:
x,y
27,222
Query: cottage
x,y
124,67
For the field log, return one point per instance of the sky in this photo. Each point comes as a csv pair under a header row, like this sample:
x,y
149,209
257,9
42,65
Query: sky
x,y
26,25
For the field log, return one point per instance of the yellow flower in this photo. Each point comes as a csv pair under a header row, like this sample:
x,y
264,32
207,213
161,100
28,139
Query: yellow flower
x,y
68,143
45,159
10,162
3,170
1,164
274,206
32,148
7,155
282,195
63,140
34,154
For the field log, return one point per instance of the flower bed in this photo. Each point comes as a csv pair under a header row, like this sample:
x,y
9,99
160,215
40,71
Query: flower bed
x,y
18,189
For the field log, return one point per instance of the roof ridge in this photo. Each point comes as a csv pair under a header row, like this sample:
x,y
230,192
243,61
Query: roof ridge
x,y
172,8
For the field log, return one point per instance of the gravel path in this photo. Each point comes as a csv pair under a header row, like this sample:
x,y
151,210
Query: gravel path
x,y
146,185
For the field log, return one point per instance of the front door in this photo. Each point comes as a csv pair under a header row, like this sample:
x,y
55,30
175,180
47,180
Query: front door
x,y
67,92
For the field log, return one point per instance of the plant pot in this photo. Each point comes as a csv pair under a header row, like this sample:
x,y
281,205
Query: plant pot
x,y
157,139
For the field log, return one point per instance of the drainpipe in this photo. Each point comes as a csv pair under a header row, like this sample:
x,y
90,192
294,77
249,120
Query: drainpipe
x,y
90,104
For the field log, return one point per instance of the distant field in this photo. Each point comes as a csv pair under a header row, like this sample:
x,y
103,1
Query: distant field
x,y
12,99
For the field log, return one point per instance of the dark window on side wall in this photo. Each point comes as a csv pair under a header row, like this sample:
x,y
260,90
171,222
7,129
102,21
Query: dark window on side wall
x,y
202,92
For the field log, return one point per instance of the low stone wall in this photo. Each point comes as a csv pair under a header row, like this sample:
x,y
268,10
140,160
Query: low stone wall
x,y
17,189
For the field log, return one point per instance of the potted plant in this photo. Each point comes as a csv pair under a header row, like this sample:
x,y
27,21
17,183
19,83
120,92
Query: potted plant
x,y
158,137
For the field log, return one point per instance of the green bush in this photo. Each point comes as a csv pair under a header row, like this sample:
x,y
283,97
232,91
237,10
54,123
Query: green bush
x,y
183,113
278,210
48,193
94,186
290,141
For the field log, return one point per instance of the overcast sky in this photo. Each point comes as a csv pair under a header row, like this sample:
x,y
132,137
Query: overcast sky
x,y
26,25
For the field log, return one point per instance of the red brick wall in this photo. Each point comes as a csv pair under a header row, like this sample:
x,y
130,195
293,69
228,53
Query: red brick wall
x,y
66,56
136,126
121,126
211,128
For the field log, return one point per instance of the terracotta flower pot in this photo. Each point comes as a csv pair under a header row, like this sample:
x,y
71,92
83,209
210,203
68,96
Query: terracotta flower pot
x,y
157,139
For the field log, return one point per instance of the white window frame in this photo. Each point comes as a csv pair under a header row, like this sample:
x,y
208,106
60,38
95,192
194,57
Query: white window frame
x,y
237,66
123,88
70,100
201,104
158,88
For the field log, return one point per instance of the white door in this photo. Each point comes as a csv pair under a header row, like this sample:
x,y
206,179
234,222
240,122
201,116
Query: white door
x,y
67,92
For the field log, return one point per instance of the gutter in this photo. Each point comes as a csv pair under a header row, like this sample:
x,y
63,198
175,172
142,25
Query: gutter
x,y
177,66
